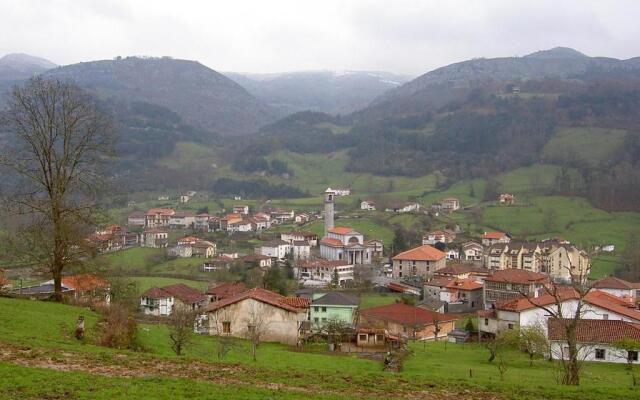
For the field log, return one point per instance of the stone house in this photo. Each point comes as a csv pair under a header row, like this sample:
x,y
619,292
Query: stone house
x,y
280,319
421,261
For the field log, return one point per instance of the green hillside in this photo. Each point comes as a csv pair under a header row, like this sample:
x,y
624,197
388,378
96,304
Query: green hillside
x,y
41,359
588,145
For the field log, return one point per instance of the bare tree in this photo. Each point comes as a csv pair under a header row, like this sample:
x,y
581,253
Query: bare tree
x,y
181,323
335,329
569,314
257,327
225,342
59,140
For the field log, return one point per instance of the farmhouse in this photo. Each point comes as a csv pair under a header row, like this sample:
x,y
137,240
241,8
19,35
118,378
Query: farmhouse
x,y
450,204
407,321
257,260
280,319
224,290
368,205
162,301
596,339
404,207
439,237
84,288
420,261
241,209
506,199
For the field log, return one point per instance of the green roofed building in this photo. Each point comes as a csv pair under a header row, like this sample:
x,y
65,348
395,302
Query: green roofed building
x,y
330,306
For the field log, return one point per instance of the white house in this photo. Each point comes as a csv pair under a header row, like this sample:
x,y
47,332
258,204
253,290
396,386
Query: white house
x,y
137,218
450,204
241,209
321,272
301,250
596,340
278,249
240,226
453,254
162,301
182,220
368,205
309,237
518,312
404,208
619,288
473,251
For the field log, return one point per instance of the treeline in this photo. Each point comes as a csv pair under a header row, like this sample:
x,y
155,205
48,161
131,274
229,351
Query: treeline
x,y
255,188
261,164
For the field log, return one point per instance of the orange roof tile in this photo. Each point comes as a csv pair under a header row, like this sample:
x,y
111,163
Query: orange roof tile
x,y
493,235
161,211
331,242
341,230
422,253
261,295
83,282
405,314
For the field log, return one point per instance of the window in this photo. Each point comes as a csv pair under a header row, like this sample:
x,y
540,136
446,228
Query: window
x,y
379,337
324,309
362,337
600,354
316,319
632,355
510,326
605,316
316,309
486,321
226,327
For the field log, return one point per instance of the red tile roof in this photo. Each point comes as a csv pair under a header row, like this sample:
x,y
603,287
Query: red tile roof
x,y
341,230
84,282
613,304
405,314
155,293
515,275
422,253
611,282
522,303
226,289
262,295
161,211
185,293
595,330
331,242
493,235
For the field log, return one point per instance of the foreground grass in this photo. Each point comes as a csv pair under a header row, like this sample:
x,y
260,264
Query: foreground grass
x,y
439,366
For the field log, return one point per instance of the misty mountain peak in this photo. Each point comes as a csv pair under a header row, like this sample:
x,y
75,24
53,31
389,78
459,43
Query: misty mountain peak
x,y
21,59
557,52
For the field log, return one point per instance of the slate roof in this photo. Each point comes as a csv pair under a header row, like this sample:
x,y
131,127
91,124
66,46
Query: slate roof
x,y
336,299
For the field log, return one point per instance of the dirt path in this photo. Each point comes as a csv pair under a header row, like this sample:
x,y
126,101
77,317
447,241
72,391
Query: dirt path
x,y
140,366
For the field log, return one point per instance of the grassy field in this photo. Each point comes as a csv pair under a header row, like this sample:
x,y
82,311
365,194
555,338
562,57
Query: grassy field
x,y
591,145
146,282
53,364
368,227
374,300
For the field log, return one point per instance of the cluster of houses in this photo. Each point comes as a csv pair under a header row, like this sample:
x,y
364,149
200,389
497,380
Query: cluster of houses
x,y
225,309
448,204
510,289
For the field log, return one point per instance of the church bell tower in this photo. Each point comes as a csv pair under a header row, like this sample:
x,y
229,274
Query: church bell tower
x,y
328,210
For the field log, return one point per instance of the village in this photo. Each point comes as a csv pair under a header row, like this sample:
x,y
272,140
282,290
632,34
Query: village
x,y
451,287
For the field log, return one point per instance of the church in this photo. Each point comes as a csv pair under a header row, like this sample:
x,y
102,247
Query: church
x,y
340,243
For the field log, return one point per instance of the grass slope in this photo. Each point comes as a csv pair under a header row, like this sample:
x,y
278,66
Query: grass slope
x,y
432,370
591,145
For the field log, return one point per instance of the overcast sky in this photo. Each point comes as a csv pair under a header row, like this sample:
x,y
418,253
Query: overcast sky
x,y
401,36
